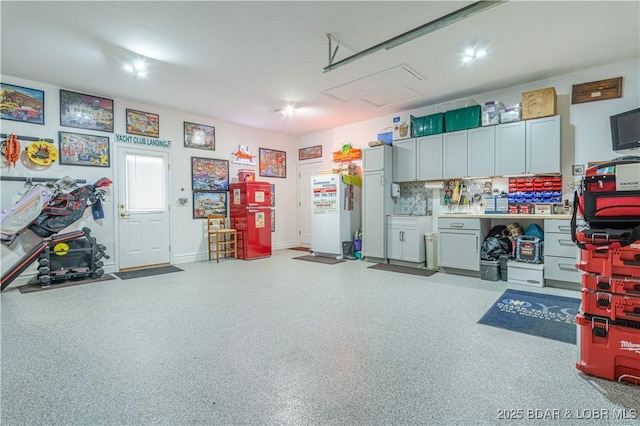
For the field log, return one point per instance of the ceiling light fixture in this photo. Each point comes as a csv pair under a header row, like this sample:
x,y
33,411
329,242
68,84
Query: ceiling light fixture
x,y
137,67
415,33
289,110
473,53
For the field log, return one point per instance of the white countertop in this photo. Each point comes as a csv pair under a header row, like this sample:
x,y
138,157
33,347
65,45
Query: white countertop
x,y
506,216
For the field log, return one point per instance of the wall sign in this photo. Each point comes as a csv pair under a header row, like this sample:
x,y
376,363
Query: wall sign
x,y
597,90
141,140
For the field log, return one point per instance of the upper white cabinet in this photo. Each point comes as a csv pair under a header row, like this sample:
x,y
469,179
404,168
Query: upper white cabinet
x,y
429,157
417,159
543,145
480,154
404,160
454,154
531,146
469,153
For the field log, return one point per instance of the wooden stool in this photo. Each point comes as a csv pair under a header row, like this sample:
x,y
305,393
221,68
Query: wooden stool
x,y
221,240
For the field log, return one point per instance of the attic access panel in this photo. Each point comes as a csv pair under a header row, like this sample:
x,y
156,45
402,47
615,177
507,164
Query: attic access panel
x,y
400,75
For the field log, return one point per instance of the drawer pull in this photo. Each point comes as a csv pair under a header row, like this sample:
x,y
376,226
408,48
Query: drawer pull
x,y
564,228
565,242
457,225
567,266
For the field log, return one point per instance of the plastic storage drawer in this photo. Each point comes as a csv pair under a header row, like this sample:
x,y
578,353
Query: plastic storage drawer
x,y
618,284
610,305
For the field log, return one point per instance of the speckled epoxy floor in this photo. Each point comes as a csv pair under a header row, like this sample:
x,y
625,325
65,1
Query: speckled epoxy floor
x,y
280,341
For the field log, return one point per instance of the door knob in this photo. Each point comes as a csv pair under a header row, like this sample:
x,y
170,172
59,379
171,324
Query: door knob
x,y
124,214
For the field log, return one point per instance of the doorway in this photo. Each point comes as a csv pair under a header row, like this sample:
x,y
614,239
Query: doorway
x,y
305,171
143,208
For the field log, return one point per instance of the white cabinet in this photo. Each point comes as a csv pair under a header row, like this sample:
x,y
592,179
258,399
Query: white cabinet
x,y
543,145
454,154
405,238
459,241
376,200
404,160
480,152
417,159
429,156
531,146
560,253
469,153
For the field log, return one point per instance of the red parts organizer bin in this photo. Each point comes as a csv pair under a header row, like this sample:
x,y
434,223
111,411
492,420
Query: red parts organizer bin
x,y
608,349
610,305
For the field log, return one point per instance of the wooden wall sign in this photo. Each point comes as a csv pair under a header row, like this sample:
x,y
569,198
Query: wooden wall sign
x,y
597,90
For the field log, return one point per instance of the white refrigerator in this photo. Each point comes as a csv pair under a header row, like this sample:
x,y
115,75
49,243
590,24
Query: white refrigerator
x,y
335,214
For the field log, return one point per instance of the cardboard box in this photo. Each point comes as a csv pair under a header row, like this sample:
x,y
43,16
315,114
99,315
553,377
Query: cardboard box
x,y
628,177
402,127
539,103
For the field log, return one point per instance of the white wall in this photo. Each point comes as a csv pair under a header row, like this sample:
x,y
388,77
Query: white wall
x,y
187,234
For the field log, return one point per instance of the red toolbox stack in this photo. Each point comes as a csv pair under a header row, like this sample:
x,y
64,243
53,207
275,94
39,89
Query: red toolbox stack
x,y
608,325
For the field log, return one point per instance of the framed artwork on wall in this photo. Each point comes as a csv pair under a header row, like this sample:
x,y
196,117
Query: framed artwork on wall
x,y
209,174
86,111
143,123
273,163
273,195
199,136
21,104
310,152
76,149
273,220
207,202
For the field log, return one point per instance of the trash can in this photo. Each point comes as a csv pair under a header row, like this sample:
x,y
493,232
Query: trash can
x,y
431,250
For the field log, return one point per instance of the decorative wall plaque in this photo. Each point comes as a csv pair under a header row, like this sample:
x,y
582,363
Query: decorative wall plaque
x,y
597,90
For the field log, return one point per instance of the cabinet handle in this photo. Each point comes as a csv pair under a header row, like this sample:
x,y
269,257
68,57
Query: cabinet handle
x,y
477,240
457,225
564,228
381,180
565,242
567,266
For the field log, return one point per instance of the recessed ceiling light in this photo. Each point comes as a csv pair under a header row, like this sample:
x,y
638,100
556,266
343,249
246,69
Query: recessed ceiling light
x,y
289,110
137,67
472,53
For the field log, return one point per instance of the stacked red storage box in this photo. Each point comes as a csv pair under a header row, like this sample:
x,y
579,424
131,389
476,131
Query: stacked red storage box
x,y
609,322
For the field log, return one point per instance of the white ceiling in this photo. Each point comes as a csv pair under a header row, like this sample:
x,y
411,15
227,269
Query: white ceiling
x,y
242,61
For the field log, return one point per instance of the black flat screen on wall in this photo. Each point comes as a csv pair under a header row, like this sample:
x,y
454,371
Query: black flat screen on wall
x,y
625,130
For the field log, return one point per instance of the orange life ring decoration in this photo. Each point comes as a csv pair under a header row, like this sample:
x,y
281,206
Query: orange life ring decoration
x,y
42,153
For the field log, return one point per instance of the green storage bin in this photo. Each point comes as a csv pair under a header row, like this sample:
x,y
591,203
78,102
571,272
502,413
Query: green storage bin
x,y
463,118
427,125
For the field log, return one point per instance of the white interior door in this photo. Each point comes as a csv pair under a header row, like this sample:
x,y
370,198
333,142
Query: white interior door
x,y
143,208
305,171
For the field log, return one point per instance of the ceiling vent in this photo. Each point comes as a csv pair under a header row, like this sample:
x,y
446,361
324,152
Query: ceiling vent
x,y
396,77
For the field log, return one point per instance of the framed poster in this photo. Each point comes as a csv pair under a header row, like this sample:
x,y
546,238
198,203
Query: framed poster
x,y
209,174
86,111
273,195
206,203
199,136
310,152
273,220
77,149
143,123
19,103
273,163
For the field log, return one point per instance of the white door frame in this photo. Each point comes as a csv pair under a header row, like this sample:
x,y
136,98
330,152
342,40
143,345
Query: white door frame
x,y
120,149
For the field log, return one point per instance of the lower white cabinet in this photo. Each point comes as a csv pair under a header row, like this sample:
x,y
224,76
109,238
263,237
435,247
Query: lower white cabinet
x,y
405,237
459,242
